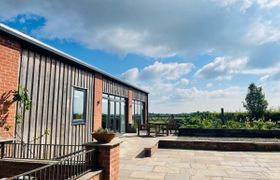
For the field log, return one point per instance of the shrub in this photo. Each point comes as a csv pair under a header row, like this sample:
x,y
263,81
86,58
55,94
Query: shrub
x,y
269,124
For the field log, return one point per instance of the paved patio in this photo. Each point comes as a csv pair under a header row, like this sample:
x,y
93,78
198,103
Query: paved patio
x,y
193,164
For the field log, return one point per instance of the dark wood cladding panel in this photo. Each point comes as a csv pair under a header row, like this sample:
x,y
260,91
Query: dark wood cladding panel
x,y
50,83
140,96
114,88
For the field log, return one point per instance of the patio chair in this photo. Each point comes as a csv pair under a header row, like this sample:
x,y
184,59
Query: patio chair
x,y
171,127
147,128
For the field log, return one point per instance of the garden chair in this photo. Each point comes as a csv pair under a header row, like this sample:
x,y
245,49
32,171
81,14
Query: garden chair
x,y
171,127
147,128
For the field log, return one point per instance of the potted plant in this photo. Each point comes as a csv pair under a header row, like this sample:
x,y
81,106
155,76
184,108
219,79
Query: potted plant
x,y
103,135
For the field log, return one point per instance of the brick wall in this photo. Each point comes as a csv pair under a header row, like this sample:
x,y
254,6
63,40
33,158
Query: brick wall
x,y
97,116
108,158
12,168
109,161
129,106
9,67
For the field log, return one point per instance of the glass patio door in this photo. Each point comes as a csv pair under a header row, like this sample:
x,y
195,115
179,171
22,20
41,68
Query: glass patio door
x,y
114,113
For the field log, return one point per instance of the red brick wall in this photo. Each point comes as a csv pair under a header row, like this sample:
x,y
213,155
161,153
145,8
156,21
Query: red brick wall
x,y
9,67
129,106
108,158
97,116
12,168
109,161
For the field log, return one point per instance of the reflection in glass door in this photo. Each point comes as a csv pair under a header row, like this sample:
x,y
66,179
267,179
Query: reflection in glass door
x,y
138,112
105,112
114,113
123,110
117,116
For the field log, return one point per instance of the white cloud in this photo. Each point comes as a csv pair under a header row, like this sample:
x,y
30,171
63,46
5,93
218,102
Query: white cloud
x,y
243,33
246,4
130,75
222,68
159,79
158,71
263,32
268,3
164,29
177,94
195,99
170,71
273,75
209,85
184,82
194,93
242,4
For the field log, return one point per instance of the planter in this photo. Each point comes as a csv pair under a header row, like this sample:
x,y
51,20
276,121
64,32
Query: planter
x,y
229,133
103,137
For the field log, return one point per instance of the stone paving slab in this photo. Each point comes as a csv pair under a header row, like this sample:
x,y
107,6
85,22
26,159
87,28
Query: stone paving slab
x,y
175,164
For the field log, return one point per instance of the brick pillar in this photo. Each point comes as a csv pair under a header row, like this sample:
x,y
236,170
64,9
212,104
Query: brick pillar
x,y
9,73
97,109
129,116
107,158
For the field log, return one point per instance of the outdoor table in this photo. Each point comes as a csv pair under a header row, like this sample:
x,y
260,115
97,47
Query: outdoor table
x,y
158,126
3,141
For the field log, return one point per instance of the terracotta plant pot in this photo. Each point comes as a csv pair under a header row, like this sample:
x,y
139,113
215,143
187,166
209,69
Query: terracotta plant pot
x,y
103,137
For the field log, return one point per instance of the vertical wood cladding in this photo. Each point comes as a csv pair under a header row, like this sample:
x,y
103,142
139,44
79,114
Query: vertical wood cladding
x,y
138,95
114,88
50,83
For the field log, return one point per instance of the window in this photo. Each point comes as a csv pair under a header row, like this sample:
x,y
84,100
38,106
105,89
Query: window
x,y
79,104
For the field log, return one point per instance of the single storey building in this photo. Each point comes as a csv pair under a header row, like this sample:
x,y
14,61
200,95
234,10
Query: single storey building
x,y
70,98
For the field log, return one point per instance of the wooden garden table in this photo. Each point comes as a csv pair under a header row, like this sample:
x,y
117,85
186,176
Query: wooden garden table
x,y
158,126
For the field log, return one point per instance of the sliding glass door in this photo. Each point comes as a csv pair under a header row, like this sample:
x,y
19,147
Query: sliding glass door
x,y
114,110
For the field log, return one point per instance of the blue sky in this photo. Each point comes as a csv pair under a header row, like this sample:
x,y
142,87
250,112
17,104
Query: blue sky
x,y
191,55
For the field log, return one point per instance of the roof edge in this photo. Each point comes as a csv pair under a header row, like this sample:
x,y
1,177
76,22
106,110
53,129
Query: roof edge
x,y
36,42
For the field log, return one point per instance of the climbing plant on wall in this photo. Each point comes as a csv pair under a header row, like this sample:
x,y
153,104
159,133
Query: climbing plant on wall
x,y
21,97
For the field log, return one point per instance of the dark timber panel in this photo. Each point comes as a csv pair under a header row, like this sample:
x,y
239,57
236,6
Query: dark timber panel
x,y
114,88
138,95
50,84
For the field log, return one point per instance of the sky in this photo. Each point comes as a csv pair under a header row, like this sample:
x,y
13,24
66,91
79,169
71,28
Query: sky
x,y
196,55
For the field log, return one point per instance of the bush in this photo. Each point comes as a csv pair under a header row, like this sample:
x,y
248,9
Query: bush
x,y
197,122
233,120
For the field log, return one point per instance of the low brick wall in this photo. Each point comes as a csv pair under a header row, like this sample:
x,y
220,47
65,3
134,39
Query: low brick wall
x,y
229,133
149,151
13,168
108,158
220,145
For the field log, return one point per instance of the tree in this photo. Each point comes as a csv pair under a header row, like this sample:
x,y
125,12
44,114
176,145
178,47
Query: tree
x,y
255,102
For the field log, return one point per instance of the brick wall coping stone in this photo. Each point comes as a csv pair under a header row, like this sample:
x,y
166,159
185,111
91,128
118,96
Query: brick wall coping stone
x,y
251,133
6,140
111,144
220,145
90,175
32,161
